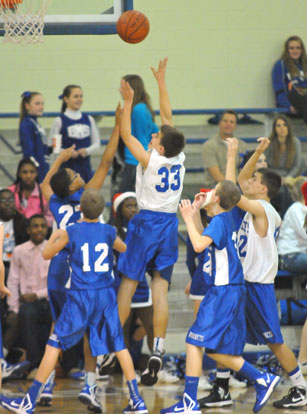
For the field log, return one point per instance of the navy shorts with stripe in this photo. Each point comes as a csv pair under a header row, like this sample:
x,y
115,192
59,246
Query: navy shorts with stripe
x,y
262,320
220,321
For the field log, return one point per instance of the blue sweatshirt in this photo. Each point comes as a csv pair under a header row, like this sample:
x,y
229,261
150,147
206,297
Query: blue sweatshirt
x,y
34,143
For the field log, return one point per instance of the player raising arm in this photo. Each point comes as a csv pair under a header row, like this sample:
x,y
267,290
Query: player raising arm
x,y
257,238
158,187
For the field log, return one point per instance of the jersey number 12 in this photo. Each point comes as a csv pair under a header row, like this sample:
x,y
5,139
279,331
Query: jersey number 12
x,y
99,266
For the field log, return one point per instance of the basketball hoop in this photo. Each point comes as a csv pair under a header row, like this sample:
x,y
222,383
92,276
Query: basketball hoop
x,y
23,20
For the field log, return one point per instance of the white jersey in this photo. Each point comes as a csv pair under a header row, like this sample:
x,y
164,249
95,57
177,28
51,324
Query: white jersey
x,y
259,255
159,186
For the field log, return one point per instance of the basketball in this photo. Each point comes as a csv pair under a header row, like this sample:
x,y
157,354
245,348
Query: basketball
x,y
132,26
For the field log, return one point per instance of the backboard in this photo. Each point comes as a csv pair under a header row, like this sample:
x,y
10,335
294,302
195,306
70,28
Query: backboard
x,y
77,17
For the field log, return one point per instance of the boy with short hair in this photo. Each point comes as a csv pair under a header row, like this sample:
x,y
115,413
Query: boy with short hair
x,y
90,302
63,189
257,239
220,321
152,239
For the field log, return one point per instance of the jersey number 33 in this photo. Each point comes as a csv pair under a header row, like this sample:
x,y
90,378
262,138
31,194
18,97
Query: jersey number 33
x,y
170,178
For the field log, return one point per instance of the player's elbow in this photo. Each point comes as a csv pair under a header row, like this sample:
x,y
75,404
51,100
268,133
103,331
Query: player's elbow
x,y
123,248
198,247
46,255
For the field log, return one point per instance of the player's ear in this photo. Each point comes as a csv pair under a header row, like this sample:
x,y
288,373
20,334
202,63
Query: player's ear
x,y
161,149
263,189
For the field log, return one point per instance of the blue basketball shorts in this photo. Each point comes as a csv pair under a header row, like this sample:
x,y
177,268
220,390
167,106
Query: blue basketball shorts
x,y
199,287
57,299
95,312
262,320
220,321
151,240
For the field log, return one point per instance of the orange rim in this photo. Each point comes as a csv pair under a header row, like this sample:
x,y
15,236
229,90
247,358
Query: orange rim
x,y
10,4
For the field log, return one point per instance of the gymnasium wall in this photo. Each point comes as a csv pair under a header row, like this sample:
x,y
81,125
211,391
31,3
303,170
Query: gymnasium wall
x,y
220,55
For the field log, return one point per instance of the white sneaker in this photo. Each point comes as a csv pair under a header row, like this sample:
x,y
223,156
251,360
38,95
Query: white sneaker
x,y
167,377
204,384
233,382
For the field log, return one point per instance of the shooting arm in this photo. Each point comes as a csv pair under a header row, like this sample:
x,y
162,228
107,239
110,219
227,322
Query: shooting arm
x,y
164,101
107,158
134,146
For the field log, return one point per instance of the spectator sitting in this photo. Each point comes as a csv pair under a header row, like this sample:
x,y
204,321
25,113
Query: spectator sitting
x,y
292,241
289,78
284,153
261,163
29,199
15,225
28,283
215,150
15,233
284,157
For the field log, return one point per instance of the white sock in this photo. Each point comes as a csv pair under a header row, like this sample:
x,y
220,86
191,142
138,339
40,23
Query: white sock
x,y
297,379
158,344
90,378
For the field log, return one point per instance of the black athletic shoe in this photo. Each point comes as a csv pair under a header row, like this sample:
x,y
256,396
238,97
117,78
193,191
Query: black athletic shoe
x,y
108,364
150,375
296,397
14,371
218,397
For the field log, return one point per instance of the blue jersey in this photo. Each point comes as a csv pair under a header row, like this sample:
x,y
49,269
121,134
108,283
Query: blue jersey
x,y
77,132
66,211
223,266
91,255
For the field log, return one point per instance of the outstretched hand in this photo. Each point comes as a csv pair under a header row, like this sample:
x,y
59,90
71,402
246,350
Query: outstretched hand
x,y
263,144
159,74
67,153
127,91
187,209
232,144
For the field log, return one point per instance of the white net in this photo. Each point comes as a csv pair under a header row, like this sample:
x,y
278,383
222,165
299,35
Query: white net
x,y
23,20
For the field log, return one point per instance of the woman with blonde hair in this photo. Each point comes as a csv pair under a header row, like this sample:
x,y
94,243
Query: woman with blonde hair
x,y
289,78
292,241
